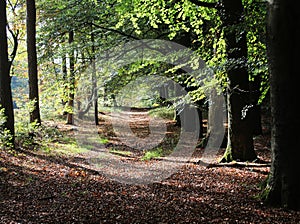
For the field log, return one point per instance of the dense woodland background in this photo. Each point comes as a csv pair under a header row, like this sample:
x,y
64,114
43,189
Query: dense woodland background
x,y
46,49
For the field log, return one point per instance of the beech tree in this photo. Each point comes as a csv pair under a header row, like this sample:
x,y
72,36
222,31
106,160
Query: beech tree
x,y
240,132
84,23
208,26
32,60
5,88
283,53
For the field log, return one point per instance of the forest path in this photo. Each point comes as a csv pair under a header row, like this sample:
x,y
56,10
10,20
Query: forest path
x,y
38,187
134,130
138,148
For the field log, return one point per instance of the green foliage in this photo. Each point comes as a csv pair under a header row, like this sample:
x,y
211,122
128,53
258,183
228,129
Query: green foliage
x,y
25,131
5,135
63,147
256,15
43,137
153,154
205,32
227,157
33,136
51,98
103,140
163,112
55,20
198,28
264,194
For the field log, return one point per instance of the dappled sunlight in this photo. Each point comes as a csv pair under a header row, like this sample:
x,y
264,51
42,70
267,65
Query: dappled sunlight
x,y
56,188
39,187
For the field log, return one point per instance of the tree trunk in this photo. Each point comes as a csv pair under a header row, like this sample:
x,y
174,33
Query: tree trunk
x,y
65,80
93,98
256,109
5,87
283,52
94,79
105,98
70,115
32,60
240,141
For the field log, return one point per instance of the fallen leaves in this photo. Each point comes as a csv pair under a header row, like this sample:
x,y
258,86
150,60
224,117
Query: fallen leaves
x,y
37,188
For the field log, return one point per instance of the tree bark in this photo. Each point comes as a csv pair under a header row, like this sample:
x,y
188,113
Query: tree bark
x,y
256,109
65,80
5,80
94,78
283,53
70,115
32,60
240,140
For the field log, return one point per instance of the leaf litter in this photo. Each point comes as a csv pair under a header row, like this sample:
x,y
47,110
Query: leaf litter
x,y
36,187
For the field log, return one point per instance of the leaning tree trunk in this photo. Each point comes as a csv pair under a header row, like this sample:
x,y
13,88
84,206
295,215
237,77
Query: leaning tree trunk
x,y
71,82
283,187
5,87
32,61
240,140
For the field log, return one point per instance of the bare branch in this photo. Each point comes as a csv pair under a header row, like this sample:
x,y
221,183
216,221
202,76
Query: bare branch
x,y
15,44
13,6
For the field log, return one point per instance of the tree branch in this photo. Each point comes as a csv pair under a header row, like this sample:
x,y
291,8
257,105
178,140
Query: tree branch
x,y
115,31
213,5
15,45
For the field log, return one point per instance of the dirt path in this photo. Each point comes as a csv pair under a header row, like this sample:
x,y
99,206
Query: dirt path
x,y
36,187
129,130
132,137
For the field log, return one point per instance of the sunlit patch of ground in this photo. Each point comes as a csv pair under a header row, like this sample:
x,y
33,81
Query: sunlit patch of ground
x,y
38,187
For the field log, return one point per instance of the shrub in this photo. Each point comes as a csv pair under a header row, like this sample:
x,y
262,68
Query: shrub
x,y
5,135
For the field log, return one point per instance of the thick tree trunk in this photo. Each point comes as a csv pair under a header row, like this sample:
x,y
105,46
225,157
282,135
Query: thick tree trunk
x,y
32,60
5,87
70,115
283,50
240,140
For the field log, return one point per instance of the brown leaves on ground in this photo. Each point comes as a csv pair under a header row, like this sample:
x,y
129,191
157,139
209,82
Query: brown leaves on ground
x,y
38,188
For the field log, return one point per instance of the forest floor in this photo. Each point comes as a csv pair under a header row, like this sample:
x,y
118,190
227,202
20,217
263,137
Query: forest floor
x,y
38,186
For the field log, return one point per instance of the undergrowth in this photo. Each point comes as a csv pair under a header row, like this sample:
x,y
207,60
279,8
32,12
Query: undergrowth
x,y
155,154
33,136
163,112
